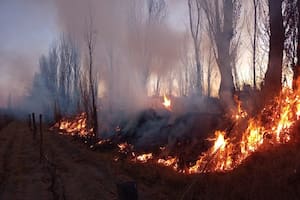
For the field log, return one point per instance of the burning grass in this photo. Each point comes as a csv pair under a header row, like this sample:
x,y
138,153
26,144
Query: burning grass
x,y
229,148
74,126
167,102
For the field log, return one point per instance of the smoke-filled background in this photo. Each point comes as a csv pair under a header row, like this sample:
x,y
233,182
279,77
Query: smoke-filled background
x,y
138,50
27,28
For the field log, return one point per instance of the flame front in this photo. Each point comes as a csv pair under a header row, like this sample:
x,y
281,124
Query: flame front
x,y
273,125
167,102
76,126
230,148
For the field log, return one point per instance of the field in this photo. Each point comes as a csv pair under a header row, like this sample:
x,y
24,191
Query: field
x,y
70,170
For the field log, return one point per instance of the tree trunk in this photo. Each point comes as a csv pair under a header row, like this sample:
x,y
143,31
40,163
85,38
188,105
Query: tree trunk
x,y
254,43
297,66
198,70
272,83
195,19
226,89
92,88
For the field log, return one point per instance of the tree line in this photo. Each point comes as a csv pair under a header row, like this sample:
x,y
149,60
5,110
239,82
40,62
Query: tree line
x,y
68,82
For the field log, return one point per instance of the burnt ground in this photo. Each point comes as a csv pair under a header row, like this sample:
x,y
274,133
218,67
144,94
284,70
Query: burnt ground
x,y
71,170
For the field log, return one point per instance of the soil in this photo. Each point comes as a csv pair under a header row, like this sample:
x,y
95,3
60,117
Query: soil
x,y
71,170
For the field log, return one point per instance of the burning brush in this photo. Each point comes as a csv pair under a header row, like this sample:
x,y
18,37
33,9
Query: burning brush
x,y
272,126
75,126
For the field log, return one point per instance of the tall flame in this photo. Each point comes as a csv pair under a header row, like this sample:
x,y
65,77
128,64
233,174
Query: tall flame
x,y
167,102
273,125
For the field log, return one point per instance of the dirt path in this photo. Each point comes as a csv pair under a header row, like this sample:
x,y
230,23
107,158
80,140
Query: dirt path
x,y
65,174
79,175
70,169
21,175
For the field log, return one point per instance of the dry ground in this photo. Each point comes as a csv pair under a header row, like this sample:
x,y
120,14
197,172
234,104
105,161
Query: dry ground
x,y
72,171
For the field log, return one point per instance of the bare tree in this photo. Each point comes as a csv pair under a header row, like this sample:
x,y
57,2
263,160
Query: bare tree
x,y
222,17
90,38
144,18
255,6
273,76
68,75
209,71
53,59
291,27
195,25
297,66
258,30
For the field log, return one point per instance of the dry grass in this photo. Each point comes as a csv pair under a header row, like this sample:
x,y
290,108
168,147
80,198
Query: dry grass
x,y
273,173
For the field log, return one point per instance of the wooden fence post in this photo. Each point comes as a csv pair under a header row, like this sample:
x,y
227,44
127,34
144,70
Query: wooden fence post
x,y
34,125
29,122
41,139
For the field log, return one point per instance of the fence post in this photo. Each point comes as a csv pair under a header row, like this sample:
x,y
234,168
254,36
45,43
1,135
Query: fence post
x,y
34,125
29,122
41,139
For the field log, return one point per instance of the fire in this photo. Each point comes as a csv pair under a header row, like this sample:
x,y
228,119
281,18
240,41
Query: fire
x,y
217,158
144,157
272,126
229,148
239,113
167,102
220,142
125,147
170,162
75,126
122,146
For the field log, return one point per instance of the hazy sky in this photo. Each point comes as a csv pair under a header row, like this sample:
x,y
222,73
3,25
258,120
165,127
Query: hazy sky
x,y
27,29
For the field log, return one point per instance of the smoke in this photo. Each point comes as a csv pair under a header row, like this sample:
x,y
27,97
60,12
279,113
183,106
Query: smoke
x,y
26,29
129,46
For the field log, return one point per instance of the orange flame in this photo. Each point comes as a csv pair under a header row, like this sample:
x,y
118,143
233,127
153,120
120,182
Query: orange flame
x,y
167,102
229,149
144,157
239,113
170,162
227,153
75,126
273,125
